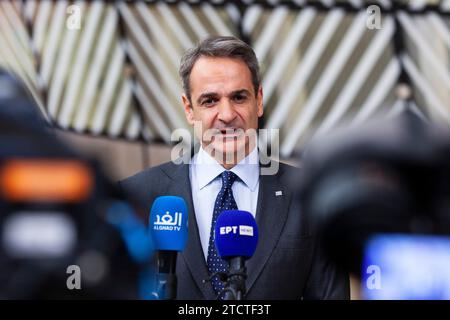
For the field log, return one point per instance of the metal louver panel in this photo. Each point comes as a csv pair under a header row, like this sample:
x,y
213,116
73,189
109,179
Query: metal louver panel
x,y
117,75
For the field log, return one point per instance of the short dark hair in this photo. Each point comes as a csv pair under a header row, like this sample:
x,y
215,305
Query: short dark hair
x,y
219,46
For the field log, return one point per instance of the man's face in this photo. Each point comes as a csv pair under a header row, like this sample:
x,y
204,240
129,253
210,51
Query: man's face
x,y
223,99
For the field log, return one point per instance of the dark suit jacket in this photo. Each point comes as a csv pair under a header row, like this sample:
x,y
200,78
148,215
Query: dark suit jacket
x,y
287,263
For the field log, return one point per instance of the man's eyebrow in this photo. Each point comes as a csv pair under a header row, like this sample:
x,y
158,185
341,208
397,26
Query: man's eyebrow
x,y
215,94
206,95
241,91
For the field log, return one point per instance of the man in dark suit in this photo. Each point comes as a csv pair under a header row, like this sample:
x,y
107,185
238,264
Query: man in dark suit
x,y
223,100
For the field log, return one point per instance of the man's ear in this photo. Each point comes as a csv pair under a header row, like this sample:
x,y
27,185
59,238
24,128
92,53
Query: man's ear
x,y
259,102
188,111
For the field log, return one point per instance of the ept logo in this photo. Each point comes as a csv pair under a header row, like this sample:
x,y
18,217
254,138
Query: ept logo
x,y
243,230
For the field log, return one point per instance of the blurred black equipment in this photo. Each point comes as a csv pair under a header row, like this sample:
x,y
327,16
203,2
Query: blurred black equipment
x,y
60,216
390,176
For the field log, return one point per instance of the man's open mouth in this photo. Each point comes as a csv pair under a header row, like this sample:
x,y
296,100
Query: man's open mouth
x,y
230,132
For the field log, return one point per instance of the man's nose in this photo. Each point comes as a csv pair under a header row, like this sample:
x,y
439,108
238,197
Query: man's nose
x,y
227,113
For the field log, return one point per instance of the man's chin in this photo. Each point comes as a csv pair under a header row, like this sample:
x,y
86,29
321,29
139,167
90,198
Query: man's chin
x,y
228,151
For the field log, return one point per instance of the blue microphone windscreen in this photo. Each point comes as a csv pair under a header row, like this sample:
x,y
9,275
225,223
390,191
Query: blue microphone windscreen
x,y
236,234
169,223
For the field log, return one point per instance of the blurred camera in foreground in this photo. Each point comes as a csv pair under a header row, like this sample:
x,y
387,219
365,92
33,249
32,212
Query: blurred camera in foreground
x,y
379,196
65,231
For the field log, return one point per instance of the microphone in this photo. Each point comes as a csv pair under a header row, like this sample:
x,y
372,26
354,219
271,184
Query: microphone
x,y
236,238
169,229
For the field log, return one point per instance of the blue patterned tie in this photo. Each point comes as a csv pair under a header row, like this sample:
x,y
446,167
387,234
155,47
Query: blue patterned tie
x,y
224,201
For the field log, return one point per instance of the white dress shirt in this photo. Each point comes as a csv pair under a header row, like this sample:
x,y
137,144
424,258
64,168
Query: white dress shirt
x,y
204,173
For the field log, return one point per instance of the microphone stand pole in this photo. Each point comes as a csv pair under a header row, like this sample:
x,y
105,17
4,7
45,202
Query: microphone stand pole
x,y
166,277
235,286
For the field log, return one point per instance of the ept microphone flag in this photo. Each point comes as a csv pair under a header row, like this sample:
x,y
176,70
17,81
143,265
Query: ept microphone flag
x,y
169,223
236,234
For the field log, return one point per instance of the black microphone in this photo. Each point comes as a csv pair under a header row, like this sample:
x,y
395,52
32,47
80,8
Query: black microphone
x,y
236,238
169,229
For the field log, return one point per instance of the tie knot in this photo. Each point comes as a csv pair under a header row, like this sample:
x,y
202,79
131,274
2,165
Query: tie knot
x,y
228,179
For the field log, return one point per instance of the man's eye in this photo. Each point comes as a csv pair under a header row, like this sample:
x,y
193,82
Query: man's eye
x,y
208,102
240,98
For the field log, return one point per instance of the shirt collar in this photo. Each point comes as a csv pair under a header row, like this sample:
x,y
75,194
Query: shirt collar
x,y
208,169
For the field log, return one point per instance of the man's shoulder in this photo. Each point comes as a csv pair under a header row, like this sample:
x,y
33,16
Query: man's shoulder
x,y
144,186
154,179
162,171
286,169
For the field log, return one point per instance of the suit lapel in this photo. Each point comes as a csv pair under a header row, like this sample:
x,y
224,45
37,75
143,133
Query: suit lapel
x,y
193,253
271,216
